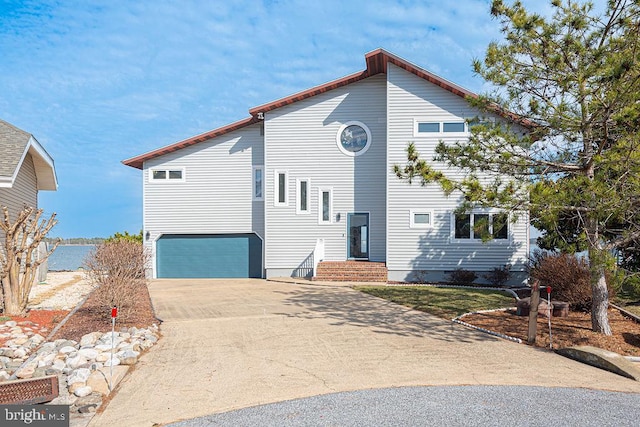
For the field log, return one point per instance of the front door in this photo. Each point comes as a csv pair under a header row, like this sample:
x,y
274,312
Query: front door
x,y
358,227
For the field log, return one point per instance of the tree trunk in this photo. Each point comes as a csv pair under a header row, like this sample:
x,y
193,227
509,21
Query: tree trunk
x,y
599,292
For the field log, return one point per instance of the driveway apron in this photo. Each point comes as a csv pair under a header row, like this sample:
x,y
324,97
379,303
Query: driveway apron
x,y
230,344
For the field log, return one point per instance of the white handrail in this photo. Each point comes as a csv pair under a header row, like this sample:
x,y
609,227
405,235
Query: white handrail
x,y
318,254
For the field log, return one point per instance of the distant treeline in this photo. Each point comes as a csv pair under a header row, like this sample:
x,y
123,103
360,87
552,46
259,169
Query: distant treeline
x,y
76,240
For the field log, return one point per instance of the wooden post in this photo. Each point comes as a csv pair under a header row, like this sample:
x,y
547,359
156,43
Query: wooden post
x,y
533,312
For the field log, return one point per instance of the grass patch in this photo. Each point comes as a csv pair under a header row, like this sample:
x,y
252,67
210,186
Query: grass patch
x,y
441,302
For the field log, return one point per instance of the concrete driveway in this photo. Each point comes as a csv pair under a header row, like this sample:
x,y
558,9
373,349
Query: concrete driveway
x,y
230,344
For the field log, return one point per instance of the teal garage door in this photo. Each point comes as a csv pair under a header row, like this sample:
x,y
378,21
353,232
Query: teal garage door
x,y
209,256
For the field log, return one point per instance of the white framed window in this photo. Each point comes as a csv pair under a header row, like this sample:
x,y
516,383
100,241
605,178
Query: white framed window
x,y
325,206
353,138
281,188
439,127
167,175
476,225
258,183
303,198
420,218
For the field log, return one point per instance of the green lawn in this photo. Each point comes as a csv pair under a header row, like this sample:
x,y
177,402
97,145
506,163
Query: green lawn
x,y
442,302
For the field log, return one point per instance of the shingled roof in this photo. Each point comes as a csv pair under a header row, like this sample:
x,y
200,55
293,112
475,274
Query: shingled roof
x,y
14,146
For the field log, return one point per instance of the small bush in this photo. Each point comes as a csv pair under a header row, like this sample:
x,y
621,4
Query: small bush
x,y
568,276
117,268
461,276
499,276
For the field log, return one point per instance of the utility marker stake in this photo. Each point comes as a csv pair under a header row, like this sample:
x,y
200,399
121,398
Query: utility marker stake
x,y
533,312
550,313
114,314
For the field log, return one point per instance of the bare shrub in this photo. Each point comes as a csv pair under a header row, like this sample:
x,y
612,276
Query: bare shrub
x,y
117,269
499,276
20,238
461,276
567,275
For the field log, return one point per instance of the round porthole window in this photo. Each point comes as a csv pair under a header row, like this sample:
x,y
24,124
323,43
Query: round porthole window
x,y
354,138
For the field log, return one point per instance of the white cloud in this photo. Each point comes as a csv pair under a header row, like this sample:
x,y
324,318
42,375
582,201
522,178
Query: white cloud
x,y
97,82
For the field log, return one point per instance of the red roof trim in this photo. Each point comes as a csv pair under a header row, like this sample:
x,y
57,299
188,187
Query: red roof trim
x,y
376,61
138,161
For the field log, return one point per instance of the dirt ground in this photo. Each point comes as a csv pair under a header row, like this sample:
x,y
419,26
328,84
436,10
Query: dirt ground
x,y
568,331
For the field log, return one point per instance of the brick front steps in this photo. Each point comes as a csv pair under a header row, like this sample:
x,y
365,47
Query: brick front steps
x,y
351,271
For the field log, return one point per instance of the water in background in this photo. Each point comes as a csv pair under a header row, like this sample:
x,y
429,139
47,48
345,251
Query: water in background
x,y
68,257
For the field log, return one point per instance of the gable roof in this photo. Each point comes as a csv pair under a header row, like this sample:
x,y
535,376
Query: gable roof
x,y
15,144
377,62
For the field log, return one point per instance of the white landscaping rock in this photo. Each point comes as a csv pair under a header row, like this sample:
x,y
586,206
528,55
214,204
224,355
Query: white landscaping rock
x,y
113,361
67,349
89,353
90,339
83,391
80,375
76,362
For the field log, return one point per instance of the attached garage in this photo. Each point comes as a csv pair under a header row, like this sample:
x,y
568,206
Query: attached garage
x,y
192,256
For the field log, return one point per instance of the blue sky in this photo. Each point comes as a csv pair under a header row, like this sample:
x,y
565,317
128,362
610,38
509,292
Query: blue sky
x,y
98,82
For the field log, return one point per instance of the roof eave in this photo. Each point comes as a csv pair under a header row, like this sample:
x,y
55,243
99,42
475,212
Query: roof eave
x,y
44,166
138,161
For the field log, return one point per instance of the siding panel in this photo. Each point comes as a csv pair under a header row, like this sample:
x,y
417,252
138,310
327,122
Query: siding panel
x,y
216,195
410,98
301,139
24,190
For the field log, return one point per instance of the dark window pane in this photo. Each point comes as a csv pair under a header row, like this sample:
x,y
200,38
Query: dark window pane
x,y
159,174
429,127
326,208
303,196
175,174
500,228
480,226
453,127
463,226
281,187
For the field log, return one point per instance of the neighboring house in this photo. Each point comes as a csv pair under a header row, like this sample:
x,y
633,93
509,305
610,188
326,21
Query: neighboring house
x,y
25,168
309,178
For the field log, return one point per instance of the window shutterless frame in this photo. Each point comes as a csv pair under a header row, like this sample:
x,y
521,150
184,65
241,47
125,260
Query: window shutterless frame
x,y
166,175
325,206
303,199
281,188
258,183
470,227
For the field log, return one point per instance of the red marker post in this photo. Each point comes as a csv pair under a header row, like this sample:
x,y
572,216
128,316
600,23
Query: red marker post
x,y
550,308
114,314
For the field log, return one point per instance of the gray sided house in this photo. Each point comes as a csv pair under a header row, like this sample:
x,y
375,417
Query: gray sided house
x,y
25,169
305,187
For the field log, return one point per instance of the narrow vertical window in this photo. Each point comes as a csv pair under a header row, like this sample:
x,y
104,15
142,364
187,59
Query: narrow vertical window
x,y
281,189
302,190
258,183
325,206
